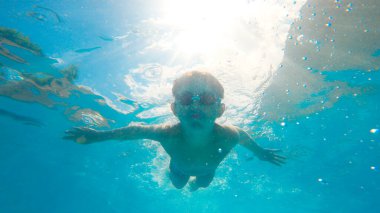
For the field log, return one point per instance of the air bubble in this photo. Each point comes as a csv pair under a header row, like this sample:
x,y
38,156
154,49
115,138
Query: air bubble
x,y
300,37
322,181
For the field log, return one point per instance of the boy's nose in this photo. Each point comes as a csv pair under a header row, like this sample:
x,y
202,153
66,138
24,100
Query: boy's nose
x,y
195,104
195,100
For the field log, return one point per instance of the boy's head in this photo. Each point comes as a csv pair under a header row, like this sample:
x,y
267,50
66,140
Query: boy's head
x,y
197,78
198,98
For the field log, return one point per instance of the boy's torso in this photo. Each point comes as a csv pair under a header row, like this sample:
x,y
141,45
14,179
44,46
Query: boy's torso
x,y
203,158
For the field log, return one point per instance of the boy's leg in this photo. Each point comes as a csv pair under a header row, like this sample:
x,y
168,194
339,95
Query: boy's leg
x,y
203,180
178,179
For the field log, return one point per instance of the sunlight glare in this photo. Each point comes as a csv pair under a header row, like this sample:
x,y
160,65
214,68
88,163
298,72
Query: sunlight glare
x,y
241,42
202,26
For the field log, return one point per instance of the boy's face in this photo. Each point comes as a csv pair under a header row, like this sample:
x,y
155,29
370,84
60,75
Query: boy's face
x,y
197,104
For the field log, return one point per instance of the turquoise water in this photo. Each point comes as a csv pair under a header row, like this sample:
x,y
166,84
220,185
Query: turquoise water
x,y
301,76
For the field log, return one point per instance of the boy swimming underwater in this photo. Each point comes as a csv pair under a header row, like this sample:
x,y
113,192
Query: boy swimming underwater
x,y
196,144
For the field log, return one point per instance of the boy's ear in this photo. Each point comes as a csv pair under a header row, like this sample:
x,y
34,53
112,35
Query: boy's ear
x,y
221,109
172,106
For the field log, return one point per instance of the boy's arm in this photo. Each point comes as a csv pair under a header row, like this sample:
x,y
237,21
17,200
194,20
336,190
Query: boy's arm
x,y
269,155
85,135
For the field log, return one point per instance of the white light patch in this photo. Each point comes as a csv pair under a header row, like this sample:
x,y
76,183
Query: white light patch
x,y
207,26
202,25
240,42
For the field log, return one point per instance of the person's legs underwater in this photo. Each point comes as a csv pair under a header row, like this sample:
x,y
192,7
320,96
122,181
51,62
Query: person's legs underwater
x,y
201,181
179,180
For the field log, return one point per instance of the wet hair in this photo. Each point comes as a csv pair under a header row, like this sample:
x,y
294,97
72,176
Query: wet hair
x,y
206,77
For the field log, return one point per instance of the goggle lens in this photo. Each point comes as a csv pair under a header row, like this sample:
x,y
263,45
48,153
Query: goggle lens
x,y
187,98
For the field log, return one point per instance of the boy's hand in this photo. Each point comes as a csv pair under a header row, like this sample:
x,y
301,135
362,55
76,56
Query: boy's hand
x,y
271,156
82,135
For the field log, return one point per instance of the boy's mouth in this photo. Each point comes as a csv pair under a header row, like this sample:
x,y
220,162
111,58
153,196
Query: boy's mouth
x,y
195,115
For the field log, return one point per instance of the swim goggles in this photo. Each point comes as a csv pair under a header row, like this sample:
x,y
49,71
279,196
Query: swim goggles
x,y
207,99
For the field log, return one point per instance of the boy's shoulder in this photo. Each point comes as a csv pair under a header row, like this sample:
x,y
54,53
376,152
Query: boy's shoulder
x,y
227,131
167,128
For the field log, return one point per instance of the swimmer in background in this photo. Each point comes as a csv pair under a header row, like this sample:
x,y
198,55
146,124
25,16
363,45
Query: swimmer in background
x,y
196,144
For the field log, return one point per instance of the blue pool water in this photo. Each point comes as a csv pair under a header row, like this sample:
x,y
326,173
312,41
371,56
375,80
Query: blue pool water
x,y
301,76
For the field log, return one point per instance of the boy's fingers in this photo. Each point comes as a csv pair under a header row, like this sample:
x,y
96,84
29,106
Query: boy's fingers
x,y
280,157
280,162
78,128
81,139
277,163
70,134
68,137
71,131
75,129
